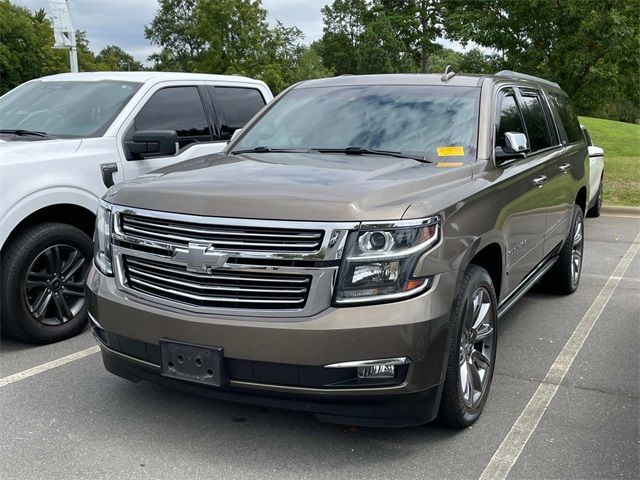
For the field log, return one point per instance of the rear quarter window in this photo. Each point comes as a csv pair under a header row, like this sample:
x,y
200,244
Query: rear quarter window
x,y
562,105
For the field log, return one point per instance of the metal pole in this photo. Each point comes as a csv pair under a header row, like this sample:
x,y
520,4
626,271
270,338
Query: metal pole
x,y
73,51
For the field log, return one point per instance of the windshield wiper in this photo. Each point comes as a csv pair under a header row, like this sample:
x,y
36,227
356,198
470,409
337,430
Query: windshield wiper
x,y
263,149
368,151
20,132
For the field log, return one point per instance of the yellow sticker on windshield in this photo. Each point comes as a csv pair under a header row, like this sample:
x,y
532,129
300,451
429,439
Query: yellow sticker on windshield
x,y
457,151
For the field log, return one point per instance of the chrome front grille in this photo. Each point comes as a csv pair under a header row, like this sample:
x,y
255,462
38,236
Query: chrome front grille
x,y
227,266
219,288
221,237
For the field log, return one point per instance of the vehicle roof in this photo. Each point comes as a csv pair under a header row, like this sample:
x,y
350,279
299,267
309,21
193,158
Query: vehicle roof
x,y
433,79
143,77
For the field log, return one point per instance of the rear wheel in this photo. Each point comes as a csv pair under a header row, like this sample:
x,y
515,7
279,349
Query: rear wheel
x,y
473,350
564,276
42,287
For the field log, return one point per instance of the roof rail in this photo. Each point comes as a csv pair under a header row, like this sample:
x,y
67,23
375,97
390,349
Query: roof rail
x,y
523,76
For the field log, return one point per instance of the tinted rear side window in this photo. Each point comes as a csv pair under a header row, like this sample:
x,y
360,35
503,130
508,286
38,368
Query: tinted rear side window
x,y
536,122
179,109
235,106
567,114
510,119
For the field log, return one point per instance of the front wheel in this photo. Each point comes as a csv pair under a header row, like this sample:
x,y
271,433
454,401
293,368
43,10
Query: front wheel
x,y
42,285
472,352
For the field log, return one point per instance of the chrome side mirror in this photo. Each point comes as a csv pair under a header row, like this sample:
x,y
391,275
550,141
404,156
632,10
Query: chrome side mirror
x,y
517,142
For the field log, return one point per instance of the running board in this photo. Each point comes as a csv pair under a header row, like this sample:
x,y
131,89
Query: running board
x,y
526,285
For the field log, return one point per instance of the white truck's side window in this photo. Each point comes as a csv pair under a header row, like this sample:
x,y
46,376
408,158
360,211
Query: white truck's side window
x,y
179,109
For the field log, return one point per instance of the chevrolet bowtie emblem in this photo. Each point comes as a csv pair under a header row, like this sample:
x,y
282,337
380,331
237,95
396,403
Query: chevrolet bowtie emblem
x,y
201,257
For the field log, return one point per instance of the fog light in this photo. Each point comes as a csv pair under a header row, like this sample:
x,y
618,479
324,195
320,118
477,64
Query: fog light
x,y
377,371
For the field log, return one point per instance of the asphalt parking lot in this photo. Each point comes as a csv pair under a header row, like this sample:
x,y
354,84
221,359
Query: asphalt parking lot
x,y
78,421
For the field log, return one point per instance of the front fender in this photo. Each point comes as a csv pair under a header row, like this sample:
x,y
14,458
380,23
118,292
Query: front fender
x,y
40,199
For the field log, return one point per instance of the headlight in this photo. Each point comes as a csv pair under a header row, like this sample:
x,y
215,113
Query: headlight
x,y
379,261
102,239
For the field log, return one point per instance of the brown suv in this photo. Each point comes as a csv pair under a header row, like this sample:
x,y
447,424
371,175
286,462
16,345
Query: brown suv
x,y
351,251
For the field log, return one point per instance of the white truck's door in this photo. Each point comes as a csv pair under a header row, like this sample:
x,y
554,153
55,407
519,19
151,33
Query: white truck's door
x,y
179,106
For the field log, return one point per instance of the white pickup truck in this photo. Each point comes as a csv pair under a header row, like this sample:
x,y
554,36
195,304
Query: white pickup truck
x,y
64,139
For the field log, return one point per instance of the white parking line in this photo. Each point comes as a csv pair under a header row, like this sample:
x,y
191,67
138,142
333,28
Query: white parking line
x,y
16,377
515,441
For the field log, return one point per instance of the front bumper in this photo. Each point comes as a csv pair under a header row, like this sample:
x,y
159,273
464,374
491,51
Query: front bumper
x,y
417,328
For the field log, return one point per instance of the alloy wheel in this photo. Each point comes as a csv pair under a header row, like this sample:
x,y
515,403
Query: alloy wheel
x,y
476,348
576,251
54,285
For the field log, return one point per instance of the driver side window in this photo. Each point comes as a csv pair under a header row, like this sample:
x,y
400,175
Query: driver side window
x,y
175,108
510,119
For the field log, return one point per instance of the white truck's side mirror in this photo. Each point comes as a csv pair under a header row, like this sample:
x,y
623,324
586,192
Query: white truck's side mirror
x,y
595,151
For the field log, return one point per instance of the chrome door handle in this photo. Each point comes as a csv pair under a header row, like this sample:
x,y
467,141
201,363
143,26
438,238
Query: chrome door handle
x,y
540,181
565,167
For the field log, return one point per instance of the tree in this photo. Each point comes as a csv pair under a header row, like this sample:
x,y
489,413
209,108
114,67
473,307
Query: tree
x,y
234,33
26,41
418,24
344,22
590,48
381,51
113,57
174,29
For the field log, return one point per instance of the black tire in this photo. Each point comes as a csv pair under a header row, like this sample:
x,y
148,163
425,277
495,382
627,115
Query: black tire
x,y
455,409
594,211
33,250
562,279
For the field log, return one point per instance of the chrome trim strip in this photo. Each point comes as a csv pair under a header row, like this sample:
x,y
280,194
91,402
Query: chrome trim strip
x,y
179,293
370,363
127,228
525,285
227,276
216,288
94,321
417,222
218,232
333,241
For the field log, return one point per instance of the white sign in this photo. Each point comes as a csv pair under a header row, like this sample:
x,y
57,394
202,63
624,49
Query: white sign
x,y
60,16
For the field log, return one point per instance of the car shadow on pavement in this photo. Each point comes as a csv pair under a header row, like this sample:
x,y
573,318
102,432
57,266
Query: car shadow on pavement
x,y
274,436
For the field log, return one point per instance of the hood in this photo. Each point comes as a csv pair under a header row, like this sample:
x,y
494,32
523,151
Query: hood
x,y
288,186
19,152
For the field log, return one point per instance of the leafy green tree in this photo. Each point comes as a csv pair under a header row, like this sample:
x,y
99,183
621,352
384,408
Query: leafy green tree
x,y
234,33
344,23
590,48
174,28
115,58
310,65
381,51
26,40
418,24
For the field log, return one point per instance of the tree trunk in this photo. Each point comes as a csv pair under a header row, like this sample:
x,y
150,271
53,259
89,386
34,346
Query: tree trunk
x,y
424,42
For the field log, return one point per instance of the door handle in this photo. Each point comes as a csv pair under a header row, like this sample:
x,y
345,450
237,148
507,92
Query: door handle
x,y
108,169
565,167
540,181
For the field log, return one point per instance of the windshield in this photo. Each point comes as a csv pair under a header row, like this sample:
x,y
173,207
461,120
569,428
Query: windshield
x,y
430,120
65,109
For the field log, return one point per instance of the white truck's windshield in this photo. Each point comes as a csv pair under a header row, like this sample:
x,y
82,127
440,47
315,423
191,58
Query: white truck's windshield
x,y
65,108
433,121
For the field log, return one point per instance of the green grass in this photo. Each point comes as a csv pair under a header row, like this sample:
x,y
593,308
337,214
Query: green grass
x,y
621,143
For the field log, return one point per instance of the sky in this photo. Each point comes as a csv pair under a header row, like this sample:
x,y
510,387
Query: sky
x,y
121,22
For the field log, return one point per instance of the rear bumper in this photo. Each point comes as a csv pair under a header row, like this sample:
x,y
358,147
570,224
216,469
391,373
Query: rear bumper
x,y
380,410
130,329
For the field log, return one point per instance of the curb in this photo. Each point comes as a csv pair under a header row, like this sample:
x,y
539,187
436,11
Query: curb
x,y
617,209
